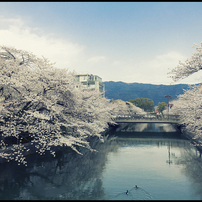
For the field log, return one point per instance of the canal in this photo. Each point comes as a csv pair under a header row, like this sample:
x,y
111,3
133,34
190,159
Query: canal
x,y
162,167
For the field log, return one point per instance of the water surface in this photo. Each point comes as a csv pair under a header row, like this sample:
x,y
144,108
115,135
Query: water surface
x,y
163,168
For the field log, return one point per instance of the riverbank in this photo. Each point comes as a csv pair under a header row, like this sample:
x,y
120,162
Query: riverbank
x,y
30,148
190,136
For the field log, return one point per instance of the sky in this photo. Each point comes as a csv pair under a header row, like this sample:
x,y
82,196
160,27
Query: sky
x,y
118,41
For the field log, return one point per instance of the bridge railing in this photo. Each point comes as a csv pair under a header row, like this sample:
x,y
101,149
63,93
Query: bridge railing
x,y
170,117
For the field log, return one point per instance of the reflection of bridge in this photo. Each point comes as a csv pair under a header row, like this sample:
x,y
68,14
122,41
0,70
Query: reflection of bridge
x,y
142,119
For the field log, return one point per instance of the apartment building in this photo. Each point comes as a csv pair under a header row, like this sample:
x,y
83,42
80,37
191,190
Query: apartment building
x,y
91,81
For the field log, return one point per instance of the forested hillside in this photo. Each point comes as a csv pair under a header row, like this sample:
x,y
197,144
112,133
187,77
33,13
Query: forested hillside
x,y
126,91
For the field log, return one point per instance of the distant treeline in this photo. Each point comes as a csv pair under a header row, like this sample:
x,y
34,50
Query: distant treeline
x,y
126,91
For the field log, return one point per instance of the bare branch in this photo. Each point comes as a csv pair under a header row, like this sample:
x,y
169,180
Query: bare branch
x,y
10,54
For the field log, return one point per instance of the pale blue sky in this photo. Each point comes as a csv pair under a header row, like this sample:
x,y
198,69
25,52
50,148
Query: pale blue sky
x,y
118,41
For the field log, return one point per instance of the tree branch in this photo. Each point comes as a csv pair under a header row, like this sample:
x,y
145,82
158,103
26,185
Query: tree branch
x,y
21,63
10,54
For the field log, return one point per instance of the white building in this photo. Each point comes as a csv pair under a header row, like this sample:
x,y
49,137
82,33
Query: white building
x,y
91,81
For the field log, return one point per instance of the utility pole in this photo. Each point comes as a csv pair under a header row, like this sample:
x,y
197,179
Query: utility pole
x,y
168,103
169,161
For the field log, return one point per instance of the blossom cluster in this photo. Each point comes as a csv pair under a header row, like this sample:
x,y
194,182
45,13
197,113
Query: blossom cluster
x,y
189,104
40,105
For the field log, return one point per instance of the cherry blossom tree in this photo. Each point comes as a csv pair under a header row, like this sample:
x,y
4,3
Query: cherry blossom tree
x,y
175,109
190,66
120,107
40,104
189,104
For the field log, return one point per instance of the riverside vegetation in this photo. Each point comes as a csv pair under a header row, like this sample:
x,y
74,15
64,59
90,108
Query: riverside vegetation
x,y
41,105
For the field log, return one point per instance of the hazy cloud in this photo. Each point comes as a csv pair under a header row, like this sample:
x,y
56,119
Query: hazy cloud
x,y
153,71
15,33
67,54
170,59
116,62
96,59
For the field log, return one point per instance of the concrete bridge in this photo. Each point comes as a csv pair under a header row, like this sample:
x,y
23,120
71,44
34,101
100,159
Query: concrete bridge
x,y
122,120
152,119
148,125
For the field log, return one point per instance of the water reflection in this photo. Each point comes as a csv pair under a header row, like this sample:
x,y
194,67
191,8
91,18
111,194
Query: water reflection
x,y
146,127
71,176
192,167
68,176
171,182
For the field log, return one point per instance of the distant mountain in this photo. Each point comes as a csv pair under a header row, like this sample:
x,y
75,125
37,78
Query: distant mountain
x,y
126,91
